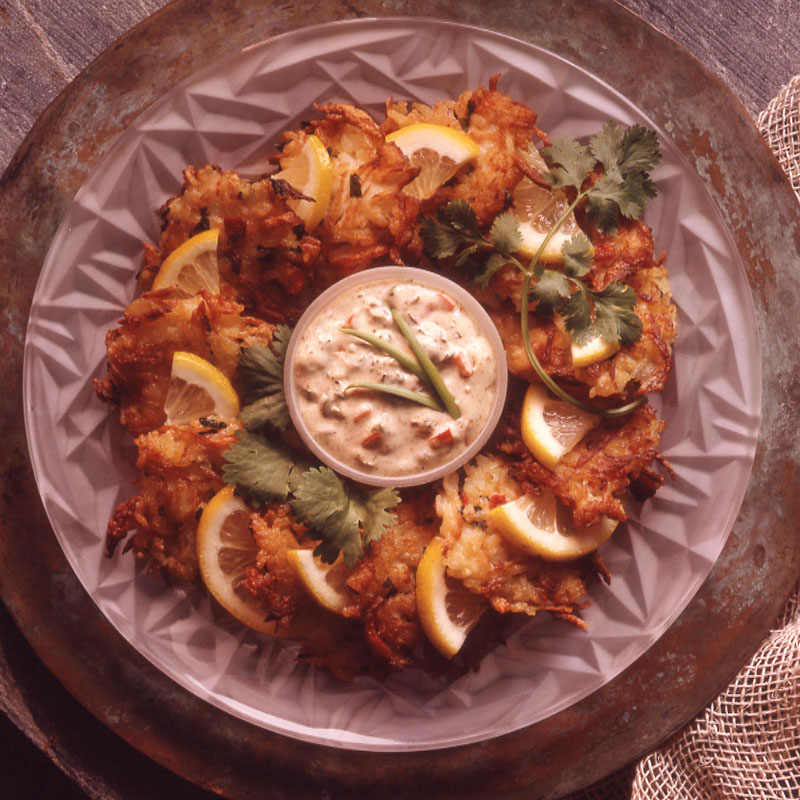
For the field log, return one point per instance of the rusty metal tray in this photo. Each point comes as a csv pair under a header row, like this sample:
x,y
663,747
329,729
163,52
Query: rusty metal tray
x,y
64,626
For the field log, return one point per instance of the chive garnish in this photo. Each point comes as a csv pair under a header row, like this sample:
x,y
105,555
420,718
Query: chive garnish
x,y
448,401
404,359
398,391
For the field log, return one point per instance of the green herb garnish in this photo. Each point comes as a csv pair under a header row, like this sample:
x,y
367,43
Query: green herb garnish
x,y
627,156
398,391
434,378
262,470
261,371
346,517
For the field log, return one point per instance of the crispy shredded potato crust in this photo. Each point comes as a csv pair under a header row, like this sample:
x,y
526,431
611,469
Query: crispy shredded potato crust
x,y
270,268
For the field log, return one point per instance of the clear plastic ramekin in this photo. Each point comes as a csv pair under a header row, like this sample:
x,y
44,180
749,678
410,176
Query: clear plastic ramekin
x,y
470,305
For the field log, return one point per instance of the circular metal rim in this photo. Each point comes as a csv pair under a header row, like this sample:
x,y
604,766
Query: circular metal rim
x,y
62,626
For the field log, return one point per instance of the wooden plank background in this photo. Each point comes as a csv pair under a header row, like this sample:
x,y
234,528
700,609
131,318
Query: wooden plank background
x,y
750,44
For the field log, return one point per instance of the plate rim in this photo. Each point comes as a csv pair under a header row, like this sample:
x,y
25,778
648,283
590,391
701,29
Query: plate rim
x,y
309,35
778,179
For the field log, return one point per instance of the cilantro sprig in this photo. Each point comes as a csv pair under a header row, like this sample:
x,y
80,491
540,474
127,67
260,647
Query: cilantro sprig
x,y
265,470
349,518
621,188
627,156
345,516
261,372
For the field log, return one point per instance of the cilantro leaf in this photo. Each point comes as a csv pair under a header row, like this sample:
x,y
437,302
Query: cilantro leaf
x,y
461,216
378,516
467,256
261,371
262,470
337,511
578,255
578,316
494,263
615,317
505,235
627,155
626,150
324,504
606,146
603,201
550,291
269,410
441,241
639,150
570,163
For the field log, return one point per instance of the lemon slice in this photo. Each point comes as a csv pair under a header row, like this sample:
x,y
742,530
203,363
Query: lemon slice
x,y
192,266
310,172
437,150
552,427
540,525
225,548
447,611
537,209
198,389
324,582
593,350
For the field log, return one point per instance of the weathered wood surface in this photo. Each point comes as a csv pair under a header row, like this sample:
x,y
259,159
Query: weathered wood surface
x,y
749,44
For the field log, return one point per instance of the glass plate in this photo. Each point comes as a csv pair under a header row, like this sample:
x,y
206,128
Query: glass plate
x,y
231,114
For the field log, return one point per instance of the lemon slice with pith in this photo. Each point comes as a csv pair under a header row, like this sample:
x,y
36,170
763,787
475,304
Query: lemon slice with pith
x,y
311,173
551,427
541,526
225,549
437,150
198,389
192,266
537,209
324,582
593,350
447,611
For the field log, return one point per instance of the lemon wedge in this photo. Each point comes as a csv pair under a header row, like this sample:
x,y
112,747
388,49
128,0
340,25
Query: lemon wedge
x,y
437,150
324,582
192,266
225,548
550,427
540,525
593,350
447,611
537,209
198,389
311,173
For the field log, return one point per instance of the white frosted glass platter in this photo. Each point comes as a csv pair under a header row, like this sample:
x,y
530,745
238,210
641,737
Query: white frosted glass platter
x,y
231,114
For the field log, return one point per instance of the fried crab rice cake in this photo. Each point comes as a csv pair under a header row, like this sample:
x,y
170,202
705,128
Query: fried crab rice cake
x,y
270,268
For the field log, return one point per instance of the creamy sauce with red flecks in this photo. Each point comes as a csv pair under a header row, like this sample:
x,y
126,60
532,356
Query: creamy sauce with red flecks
x,y
371,431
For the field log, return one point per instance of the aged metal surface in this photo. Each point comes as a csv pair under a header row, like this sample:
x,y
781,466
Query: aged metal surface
x,y
654,697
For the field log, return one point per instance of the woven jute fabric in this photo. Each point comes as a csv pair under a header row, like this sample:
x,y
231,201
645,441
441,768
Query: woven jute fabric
x,y
746,744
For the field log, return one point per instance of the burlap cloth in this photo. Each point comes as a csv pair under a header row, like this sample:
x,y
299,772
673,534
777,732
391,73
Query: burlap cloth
x,y
746,744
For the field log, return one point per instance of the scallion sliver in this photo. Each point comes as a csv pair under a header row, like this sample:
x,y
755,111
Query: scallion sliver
x,y
404,359
448,401
398,391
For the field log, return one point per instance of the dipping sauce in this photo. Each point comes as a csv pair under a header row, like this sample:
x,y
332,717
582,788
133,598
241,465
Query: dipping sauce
x,y
375,433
